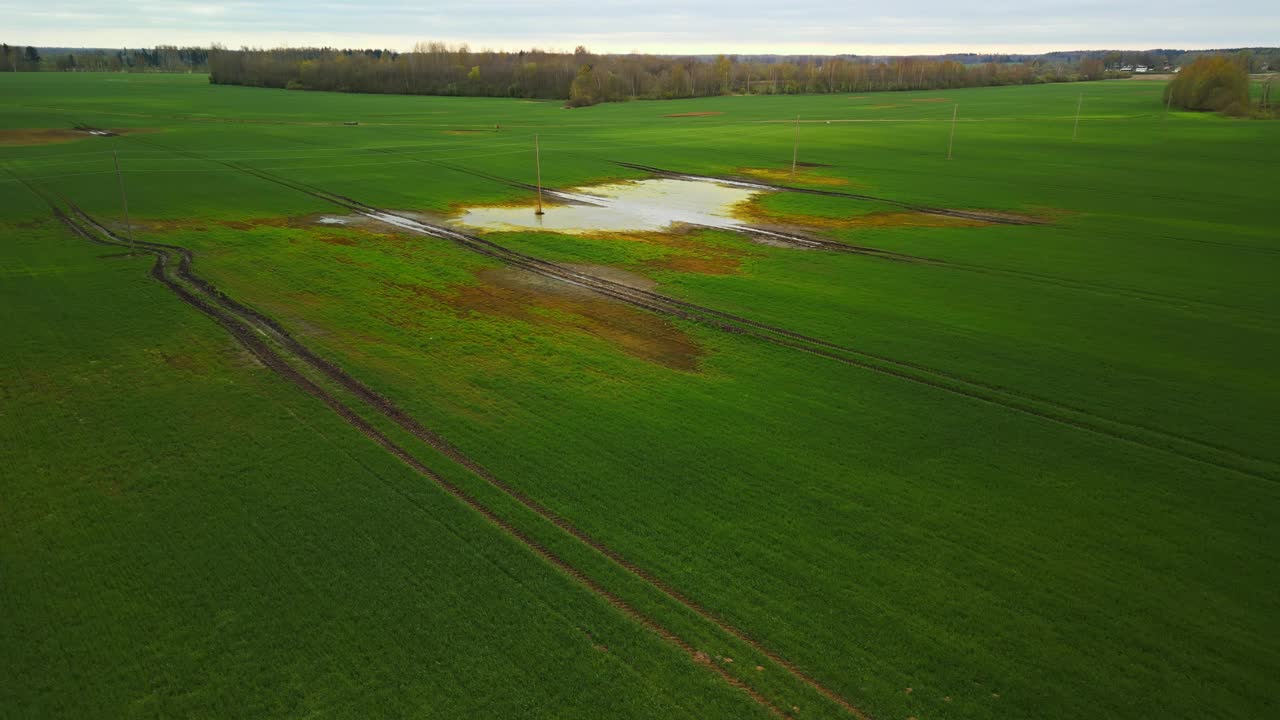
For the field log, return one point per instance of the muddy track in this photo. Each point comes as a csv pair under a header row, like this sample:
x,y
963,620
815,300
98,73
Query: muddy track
x,y
385,406
1189,448
809,242
162,271
1163,441
791,238
977,215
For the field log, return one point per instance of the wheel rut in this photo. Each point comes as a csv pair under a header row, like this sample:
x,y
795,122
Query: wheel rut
x,y
1162,441
1189,448
250,327
790,237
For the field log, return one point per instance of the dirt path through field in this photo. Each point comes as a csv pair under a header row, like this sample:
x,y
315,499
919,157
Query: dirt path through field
x,y
1193,449
250,327
243,332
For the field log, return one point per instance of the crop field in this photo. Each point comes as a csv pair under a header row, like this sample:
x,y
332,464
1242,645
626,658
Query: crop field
x,y
896,436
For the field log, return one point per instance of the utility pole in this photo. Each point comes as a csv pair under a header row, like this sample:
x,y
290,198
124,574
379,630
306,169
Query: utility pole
x,y
955,112
537,160
124,201
1075,131
795,148
1168,102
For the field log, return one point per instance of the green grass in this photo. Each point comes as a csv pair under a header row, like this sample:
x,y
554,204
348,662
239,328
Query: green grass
x,y
189,535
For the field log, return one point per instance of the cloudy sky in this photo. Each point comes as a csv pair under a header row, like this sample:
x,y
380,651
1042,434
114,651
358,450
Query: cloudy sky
x,y
658,26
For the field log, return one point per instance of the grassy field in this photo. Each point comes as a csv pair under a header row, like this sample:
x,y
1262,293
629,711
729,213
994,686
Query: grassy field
x,y
1035,476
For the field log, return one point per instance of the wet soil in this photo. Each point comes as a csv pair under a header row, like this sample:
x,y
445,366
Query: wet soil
x,y
519,295
53,136
757,214
777,175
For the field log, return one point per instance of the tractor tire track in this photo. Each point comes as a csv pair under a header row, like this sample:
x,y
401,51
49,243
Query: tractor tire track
x,y
393,412
1151,438
1163,441
245,335
791,238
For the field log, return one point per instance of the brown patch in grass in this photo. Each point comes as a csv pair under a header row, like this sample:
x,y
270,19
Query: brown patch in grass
x,y
53,136
40,136
183,361
930,100
784,176
693,114
334,240
687,253
755,212
618,275
717,265
1042,215
519,295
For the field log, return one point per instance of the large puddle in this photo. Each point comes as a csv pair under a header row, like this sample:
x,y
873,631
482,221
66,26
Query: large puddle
x,y
644,205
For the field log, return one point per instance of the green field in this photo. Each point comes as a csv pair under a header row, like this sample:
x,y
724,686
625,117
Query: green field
x,y
999,470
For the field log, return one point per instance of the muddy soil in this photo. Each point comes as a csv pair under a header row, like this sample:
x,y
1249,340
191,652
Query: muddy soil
x,y
519,295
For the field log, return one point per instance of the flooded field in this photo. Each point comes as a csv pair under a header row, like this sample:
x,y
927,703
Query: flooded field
x,y
645,205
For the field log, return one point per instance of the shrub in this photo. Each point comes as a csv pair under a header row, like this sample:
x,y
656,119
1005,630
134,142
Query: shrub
x,y
1213,82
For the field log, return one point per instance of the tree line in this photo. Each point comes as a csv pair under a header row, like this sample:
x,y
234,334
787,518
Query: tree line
x,y
17,59
585,78
162,58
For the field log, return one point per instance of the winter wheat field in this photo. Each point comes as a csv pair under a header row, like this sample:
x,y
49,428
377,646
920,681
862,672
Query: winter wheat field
x,y
335,426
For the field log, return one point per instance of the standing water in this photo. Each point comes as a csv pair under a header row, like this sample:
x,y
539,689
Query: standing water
x,y
645,205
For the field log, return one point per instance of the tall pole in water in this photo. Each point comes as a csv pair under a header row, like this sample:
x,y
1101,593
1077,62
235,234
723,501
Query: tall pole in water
x,y
1076,130
537,160
955,112
795,148
124,200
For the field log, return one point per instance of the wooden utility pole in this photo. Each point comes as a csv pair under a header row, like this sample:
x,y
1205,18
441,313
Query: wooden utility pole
x,y
1168,102
124,201
1075,131
795,148
955,112
537,160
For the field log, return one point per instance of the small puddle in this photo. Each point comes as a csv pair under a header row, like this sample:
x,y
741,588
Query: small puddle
x,y
641,206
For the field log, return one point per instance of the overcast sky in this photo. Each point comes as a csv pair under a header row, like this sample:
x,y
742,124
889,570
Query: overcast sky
x,y
657,26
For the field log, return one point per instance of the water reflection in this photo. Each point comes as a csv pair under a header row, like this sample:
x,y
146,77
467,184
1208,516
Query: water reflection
x,y
645,205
